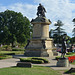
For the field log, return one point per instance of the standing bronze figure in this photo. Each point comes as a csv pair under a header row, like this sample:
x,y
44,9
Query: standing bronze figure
x,y
41,11
64,45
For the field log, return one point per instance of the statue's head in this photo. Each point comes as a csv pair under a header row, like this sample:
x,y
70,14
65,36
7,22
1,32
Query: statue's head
x,y
39,4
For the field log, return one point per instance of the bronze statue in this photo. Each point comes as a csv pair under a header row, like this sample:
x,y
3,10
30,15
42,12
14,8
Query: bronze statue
x,y
41,11
64,45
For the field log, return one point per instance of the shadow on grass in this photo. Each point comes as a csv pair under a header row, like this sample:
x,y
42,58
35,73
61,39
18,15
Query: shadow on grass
x,y
72,70
33,66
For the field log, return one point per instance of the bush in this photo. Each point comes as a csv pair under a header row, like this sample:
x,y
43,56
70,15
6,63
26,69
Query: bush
x,y
5,57
25,60
18,49
11,52
34,60
45,60
37,61
7,48
70,53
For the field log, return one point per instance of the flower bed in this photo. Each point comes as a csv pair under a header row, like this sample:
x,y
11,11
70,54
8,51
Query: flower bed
x,y
71,59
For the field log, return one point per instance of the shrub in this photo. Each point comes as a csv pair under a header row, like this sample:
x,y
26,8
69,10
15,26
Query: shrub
x,y
11,52
45,60
34,60
70,53
37,61
1,48
7,48
17,49
25,60
5,57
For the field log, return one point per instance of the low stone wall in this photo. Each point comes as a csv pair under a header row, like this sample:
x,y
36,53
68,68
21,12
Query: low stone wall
x,y
24,64
63,62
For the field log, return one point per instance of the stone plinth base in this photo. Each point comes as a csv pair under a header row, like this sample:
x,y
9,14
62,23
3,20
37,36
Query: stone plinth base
x,y
39,48
38,53
63,62
40,45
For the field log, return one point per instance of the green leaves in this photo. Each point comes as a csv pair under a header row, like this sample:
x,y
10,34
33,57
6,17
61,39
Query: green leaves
x,y
73,28
14,27
58,32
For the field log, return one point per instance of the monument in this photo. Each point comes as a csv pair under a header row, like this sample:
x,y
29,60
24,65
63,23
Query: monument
x,y
40,45
63,62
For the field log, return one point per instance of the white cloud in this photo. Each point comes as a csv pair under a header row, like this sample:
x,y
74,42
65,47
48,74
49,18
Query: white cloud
x,y
63,10
26,9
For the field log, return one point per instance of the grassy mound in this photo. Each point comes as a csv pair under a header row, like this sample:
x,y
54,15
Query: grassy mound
x,y
34,60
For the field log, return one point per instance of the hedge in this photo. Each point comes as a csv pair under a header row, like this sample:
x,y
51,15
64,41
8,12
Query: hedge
x,y
18,49
11,52
34,60
5,57
45,60
70,53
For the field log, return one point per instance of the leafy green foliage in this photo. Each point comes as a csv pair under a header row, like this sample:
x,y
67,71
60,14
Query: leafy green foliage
x,y
11,52
14,27
74,27
57,33
67,55
70,53
5,57
72,40
34,60
45,60
73,63
18,49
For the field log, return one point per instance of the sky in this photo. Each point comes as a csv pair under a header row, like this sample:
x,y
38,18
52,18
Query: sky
x,y
63,10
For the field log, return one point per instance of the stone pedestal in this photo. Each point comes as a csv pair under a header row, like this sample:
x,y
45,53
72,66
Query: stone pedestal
x,y
63,62
40,45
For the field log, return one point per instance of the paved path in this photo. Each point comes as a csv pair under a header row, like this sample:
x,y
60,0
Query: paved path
x,y
8,62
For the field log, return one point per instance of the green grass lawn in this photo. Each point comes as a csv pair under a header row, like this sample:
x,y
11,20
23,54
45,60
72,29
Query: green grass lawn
x,y
73,63
7,54
69,72
35,70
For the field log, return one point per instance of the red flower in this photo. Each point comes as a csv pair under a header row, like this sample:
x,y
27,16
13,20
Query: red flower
x,y
71,58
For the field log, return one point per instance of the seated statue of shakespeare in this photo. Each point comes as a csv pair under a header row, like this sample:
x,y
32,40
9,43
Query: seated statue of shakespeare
x,y
41,11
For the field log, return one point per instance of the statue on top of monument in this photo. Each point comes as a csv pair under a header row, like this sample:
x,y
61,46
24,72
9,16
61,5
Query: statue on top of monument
x,y
41,11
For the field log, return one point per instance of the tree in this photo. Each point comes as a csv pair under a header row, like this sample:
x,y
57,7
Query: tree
x,y
74,28
14,27
51,33
58,31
